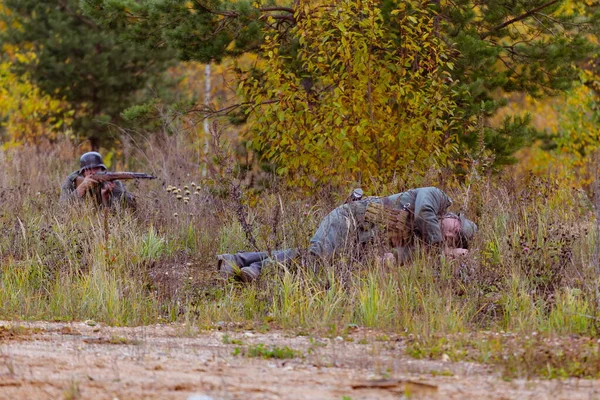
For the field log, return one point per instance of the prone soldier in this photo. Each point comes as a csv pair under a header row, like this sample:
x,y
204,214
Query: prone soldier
x,y
403,218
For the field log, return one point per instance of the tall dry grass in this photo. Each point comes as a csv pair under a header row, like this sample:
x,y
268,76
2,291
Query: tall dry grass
x,y
530,267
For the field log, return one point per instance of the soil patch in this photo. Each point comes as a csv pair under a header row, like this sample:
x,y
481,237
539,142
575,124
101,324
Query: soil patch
x,y
77,361
12,333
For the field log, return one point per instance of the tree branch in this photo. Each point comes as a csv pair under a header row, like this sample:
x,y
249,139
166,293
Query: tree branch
x,y
208,112
278,17
231,14
286,9
78,16
517,19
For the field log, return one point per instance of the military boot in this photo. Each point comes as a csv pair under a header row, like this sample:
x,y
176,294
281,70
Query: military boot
x,y
226,265
250,273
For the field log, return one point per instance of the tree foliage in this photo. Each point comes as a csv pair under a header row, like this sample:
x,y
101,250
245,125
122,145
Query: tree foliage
x,y
576,138
533,46
201,30
29,115
359,107
569,148
90,67
496,48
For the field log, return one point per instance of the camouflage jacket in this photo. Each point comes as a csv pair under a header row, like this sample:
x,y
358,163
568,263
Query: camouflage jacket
x,y
119,194
346,224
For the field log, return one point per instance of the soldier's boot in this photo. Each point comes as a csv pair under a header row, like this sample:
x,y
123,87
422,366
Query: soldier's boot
x,y
250,273
229,265
249,264
226,265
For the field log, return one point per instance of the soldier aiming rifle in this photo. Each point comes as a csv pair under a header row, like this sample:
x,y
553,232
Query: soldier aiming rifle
x,y
94,180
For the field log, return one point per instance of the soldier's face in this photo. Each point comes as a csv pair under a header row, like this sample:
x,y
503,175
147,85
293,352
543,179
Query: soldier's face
x,y
450,229
92,171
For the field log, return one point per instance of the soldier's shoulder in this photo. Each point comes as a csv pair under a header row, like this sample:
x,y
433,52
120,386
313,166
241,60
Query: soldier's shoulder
x,y
428,189
70,179
73,175
431,190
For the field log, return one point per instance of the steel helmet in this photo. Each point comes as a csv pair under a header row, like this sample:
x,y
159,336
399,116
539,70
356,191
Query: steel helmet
x,y
91,159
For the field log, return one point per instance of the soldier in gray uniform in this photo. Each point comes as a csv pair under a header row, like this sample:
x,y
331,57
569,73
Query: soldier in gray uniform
x,y
426,220
80,185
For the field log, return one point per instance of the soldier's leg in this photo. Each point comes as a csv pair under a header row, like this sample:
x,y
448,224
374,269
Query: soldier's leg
x,y
252,272
403,254
251,261
228,263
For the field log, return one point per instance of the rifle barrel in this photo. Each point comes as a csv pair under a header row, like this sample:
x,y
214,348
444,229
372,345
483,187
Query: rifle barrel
x,y
113,176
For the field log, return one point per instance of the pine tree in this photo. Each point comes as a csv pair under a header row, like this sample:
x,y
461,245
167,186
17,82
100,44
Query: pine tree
x,y
97,72
200,30
533,46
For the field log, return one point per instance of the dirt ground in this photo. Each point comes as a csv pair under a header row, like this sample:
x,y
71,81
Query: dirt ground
x,y
41,360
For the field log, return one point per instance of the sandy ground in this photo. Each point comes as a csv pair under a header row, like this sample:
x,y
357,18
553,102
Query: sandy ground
x,y
40,360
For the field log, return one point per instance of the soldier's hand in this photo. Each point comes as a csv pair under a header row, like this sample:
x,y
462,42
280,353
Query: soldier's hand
x,y
455,253
387,260
106,190
86,185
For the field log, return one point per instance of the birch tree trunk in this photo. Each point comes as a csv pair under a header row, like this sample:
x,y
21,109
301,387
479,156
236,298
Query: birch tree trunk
x,y
207,87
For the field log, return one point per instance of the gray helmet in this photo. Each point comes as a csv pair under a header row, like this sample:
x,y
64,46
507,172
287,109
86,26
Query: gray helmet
x,y
468,229
91,159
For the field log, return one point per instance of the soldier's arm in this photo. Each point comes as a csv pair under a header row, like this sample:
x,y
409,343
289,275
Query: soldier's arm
x,y
68,192
124,197
336,228
430,204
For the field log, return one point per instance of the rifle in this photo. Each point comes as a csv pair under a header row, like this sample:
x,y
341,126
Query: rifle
x,y
107,176
113,176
